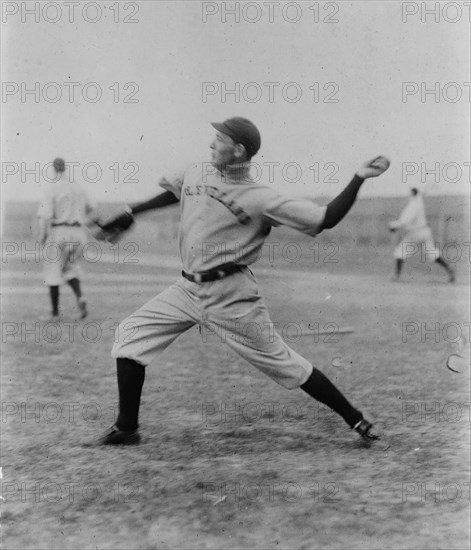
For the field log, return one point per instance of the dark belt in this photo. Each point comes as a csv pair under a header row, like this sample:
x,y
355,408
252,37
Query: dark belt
x,y
213,275
76,224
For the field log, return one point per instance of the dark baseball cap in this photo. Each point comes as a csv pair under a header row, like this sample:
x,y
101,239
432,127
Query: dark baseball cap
x,y
241,130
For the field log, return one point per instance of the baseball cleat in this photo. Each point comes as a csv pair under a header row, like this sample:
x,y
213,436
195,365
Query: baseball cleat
x,y
115,436
364,428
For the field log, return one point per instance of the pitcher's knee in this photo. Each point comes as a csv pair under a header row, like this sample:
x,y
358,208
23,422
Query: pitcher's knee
x,y
123,336
292,378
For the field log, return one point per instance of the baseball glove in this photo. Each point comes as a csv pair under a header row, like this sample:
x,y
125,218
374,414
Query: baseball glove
x,y
113,229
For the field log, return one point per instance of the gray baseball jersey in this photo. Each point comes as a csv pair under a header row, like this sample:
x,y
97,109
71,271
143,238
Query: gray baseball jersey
x,y
232,216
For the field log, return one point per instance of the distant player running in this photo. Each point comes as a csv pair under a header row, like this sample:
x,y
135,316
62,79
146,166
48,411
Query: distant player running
x,y
412,224
62,215
222,205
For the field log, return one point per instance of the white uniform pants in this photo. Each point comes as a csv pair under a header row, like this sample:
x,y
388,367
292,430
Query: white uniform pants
x,y
417,242
62,255
231,308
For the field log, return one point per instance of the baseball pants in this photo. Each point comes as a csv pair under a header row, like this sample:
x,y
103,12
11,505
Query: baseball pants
x,y
230,308
62,255
410,244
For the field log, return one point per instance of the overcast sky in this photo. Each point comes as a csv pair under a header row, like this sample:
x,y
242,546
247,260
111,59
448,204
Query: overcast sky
x,y
337,95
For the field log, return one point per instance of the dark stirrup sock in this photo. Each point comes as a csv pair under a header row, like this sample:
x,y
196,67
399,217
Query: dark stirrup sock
x,y
441,261
399,263
321,388
130,381
75,286
54,294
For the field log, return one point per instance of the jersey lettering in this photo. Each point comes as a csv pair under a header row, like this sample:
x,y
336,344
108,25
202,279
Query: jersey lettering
x,y
221,197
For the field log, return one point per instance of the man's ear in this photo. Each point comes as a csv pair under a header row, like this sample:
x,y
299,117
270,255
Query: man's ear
x,y
240,150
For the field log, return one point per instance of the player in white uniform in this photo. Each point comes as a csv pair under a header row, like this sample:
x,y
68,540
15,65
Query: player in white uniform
x,y
62,215
412,223
225,219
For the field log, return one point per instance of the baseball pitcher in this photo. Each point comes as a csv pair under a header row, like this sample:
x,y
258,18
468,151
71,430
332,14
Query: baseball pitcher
x,y
220,204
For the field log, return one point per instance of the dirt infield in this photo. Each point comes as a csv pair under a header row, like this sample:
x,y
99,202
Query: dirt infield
x,y
228,458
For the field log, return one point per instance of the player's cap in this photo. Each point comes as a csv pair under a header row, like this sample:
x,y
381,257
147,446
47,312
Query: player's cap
x,y
241,131
59,165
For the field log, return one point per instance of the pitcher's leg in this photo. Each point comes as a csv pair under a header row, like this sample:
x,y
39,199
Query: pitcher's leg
x,y
289,369
130,381
246,327
151,329
321,388
54,295
139,340
450,271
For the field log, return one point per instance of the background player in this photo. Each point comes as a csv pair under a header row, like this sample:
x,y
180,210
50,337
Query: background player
x,y
220,204
62,216
413,224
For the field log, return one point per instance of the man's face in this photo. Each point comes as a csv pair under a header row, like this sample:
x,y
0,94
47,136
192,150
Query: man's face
x,y
224,151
